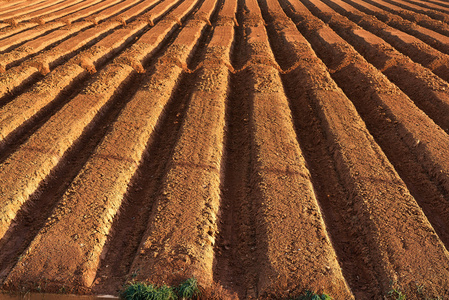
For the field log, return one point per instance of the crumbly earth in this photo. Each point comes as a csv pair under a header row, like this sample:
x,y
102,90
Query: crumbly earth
x,y
264,147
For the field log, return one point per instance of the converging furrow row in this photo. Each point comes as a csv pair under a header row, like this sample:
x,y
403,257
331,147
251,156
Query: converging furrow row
x,y
264,147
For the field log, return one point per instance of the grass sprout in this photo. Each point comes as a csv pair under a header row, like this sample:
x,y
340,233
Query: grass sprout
x,y
397,294
188,289
309,295
142,291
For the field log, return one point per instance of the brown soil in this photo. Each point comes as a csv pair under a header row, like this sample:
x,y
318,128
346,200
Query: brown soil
x,y
264,147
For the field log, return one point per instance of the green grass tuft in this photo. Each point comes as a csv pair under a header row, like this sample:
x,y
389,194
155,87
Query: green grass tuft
x,y
166,293
397,294
309,295
188,289
142,291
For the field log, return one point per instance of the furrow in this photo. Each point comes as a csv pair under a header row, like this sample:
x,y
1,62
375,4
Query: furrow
x,y
333,196
423,13
131,220
34,213
64,12
434,39
233,256
429,92
407,44
180,236
234,261
46,16
28,9
14,41
18,34
34,46
63,130
99,12
8,6
49,28
43,59
44,92
101,183
418,18
22,233
6,32
172,98
276,175
266,148
35,16
398,226
435,5
318,123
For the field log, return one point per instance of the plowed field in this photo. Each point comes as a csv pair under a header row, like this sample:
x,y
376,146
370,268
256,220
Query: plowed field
x,y
264,147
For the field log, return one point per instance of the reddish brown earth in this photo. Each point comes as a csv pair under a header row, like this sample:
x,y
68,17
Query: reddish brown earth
x,y
265,147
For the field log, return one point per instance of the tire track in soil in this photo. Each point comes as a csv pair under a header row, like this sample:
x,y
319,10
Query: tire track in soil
x,y
131,222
